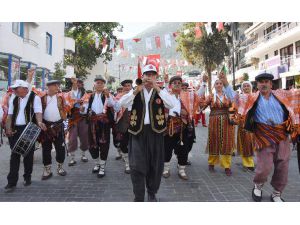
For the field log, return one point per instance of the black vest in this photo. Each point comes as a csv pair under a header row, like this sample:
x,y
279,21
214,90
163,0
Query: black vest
x,y
109,112
29,112
156,113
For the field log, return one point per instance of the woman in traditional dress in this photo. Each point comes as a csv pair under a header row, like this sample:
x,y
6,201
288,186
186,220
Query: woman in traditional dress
x,y
220,143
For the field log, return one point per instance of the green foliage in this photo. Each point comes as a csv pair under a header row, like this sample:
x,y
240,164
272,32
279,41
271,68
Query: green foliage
x,y
208,51
59,72
245,77
86,53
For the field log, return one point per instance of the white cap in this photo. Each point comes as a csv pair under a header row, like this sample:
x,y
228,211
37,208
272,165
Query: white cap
x,y
20,83
149,68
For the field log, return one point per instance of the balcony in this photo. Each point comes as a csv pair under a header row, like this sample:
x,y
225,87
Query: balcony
x,y
31,42
69,44
283,34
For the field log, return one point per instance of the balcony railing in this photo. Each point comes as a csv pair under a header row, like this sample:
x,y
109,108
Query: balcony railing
x,y
31,42
290,60
275,33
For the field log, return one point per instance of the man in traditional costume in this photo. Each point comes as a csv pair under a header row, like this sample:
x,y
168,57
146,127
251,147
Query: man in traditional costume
x,y
270,115
146,140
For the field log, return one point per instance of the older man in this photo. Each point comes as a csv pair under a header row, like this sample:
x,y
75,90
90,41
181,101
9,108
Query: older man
x,y
269,115
146,126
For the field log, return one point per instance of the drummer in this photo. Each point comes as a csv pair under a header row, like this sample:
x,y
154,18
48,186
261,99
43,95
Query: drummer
x,y
24,107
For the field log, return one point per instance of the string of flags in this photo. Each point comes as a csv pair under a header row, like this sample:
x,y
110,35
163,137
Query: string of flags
x,y
198,31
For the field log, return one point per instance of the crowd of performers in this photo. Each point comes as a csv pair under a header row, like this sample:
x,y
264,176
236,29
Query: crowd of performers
x,y
151,122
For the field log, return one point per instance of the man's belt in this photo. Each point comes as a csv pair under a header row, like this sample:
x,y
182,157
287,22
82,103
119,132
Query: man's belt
x,y
99,117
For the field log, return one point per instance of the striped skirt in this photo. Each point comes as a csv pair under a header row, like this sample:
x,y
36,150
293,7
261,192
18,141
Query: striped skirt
x,y
245,142
220,134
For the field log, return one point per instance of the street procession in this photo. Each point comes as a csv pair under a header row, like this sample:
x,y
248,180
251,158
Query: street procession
x,y
148,113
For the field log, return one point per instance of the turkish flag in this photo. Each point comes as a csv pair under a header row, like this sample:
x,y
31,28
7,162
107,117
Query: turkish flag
x,y
121,44
154,60
137,40
157,41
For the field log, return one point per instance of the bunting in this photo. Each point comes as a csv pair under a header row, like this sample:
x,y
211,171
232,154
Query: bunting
x,y
157,41
148,44
167,40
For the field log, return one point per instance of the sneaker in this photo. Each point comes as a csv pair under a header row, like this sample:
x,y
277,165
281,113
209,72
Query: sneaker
x,y
96,168
72,162
84,159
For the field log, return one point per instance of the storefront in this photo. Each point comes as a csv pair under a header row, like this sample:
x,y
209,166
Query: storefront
x,y
9,69
290,79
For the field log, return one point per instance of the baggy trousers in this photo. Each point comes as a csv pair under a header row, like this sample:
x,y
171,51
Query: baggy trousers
x,y
146,161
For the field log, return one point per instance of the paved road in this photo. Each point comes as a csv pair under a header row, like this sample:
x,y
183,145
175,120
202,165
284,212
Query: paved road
x,y
81,185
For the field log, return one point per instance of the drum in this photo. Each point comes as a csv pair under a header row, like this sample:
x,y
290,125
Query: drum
x,y
27,139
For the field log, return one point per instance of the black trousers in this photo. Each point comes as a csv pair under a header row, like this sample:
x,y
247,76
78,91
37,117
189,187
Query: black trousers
x,y
124,142
59,149
146,161
181,151
101,149
15,158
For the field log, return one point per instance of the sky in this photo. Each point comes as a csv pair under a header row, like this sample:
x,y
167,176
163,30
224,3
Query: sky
x,y
132,29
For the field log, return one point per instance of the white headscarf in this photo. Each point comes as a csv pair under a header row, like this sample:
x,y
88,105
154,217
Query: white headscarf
x,y
246,82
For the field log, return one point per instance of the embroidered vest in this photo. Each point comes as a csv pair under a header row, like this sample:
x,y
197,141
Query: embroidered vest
x,y
156,113
28,111
60,105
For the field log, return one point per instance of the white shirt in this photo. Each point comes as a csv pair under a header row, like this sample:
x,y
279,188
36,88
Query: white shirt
x,y
97,105
37,108
177,106
127,101
51,113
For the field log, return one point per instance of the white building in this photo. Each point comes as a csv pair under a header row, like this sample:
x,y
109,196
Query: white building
x,y
274,48
26,45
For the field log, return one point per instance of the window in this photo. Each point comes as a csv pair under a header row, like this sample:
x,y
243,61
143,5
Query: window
x,y
49,43
18,28
266,56
297,49
3,71
276,53
286,51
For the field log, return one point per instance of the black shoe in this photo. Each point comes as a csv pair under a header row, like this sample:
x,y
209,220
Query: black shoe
x,y
256,197
138,200
118,157
72,162
189,163
152,198
251,169
27,182
9,188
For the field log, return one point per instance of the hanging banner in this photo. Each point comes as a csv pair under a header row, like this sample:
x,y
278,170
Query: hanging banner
x,y
148,44
208,28
121,44
168,40
157,41
136,40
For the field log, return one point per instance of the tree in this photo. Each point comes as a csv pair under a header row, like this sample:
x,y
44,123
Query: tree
x,y
59,72
86,53
208,51
245,77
